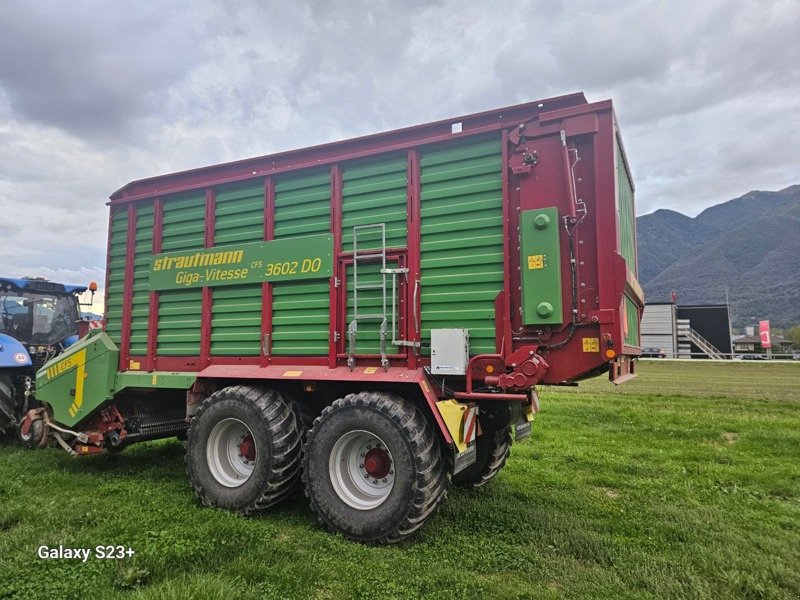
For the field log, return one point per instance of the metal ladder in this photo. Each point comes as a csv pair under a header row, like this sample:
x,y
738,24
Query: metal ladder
x,y
358,257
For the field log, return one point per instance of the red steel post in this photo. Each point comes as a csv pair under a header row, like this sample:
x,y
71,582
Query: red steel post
x,y
266,287
152,323
127,297
339,274
207,302
413,291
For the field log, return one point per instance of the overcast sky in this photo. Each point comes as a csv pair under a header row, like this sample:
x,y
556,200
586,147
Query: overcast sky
x,y
96,94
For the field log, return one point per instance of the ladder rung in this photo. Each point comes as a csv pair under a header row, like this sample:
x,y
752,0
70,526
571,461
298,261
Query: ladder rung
x,y
367,256
369,286
363,317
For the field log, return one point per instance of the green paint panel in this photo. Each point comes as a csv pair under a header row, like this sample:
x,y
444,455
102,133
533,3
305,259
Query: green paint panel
x,y
368,340
143,253
625,211
184,222
462,239
300,318
300,310
179,316
239,214
236,310
375,192
179,311
541,267
116,272
236,321
632,314
154,379
76,382
303,204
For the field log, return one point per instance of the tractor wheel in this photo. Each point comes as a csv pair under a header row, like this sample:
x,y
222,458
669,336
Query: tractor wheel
x,y
243,451
491,454
373,468
8,421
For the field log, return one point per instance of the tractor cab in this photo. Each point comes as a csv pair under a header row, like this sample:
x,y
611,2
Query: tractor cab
x,y
39,319
40,315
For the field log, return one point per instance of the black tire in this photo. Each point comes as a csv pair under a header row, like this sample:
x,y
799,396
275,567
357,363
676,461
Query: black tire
x,y
34,436
276,433
8,421
419,478
493,448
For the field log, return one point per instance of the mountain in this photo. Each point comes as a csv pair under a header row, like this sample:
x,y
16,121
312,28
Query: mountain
x,y
751,245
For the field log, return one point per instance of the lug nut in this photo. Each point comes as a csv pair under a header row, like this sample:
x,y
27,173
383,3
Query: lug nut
x,y
366,475
360,466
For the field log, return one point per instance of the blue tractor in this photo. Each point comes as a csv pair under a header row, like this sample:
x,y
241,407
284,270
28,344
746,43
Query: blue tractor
x,y
38,320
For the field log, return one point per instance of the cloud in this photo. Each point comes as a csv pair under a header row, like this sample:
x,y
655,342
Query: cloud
x,y
99,95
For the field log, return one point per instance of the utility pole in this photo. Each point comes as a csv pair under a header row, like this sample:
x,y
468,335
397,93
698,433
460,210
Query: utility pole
x,y
730,328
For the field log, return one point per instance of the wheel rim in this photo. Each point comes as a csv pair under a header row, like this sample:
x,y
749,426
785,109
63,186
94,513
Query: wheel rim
x,y
361,470
33,432
231,452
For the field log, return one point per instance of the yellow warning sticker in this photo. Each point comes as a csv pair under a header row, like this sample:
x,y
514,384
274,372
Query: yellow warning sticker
x,y
134,365
591,344
292,373
154,379
370,370
536,261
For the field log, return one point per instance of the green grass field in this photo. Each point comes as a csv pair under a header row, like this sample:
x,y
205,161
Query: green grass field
x,y
684,483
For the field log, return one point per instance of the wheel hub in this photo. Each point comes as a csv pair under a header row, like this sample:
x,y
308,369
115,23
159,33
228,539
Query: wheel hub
x,y
231,452
361,470
247,448
377,463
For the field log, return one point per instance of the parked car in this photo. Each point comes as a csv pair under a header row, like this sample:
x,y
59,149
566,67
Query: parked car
x,y
796,356
754,357
653,353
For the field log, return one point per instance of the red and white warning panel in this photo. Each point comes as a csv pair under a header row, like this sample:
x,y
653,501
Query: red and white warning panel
x,y
469,427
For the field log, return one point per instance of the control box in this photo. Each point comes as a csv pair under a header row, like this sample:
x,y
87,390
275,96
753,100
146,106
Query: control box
x,y
449,351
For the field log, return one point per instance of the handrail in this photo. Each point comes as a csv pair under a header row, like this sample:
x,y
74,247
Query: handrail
x,y
698,340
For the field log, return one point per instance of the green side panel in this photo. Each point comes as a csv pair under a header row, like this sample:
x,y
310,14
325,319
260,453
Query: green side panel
x,y
236,310
632,314
300,318
375,192
300,310
303,204
541,267
368,340
236,321
179,316
76,382
179,311
239,215
625,212
154,379
140,308
184,222
462,239
116,272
